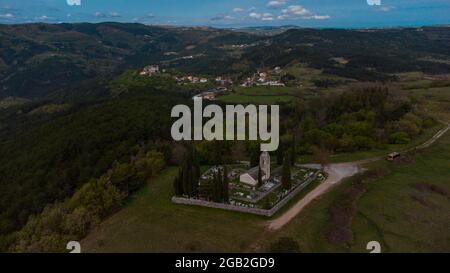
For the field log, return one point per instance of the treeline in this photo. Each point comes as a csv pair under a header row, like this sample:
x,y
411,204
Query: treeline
x,y
188,184
216,189
364,118
48,162
372,55
72,219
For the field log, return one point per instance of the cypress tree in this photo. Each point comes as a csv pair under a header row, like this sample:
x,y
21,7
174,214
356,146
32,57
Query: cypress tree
x,y
219,187
259,176
196,179
254,156
226,184
286,175
175,187
215,194
280,154
293,150
178,183
189,175
184,178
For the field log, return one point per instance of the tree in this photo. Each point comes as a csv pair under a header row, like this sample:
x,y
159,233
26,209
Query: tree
x,y
260,182
189,175
226,185
321,156
280,154
399,138
286,175
293,149
178,184
255,153
219,186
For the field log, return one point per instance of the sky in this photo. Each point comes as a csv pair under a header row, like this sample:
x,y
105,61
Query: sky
x,y
232,13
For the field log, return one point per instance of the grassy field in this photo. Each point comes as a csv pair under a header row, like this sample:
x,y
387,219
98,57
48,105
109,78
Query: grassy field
x,y
261,95
406,210
151,223
389,212
393,211
348,157
247,99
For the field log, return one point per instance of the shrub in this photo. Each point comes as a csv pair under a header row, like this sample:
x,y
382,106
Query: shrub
x,y
399,138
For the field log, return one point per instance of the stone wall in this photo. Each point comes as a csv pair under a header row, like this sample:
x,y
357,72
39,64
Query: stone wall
x,y
196,202
261,212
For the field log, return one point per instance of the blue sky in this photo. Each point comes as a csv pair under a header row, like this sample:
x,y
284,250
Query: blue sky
x,y
232,13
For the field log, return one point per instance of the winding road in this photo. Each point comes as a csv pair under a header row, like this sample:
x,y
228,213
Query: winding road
x,y
336,174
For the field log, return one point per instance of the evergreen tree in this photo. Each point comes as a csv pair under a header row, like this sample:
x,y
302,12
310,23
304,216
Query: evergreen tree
x,y
195,178
217,152
185,178
219,186
255,154
226,185
293,149
280,154
189,175
286,175
260,182
178,184
215,194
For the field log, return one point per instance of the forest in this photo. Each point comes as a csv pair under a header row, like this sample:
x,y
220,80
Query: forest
x,y
71,153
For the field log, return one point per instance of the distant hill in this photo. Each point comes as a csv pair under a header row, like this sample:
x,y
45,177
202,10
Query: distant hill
x,y
267,30
370,54
38,60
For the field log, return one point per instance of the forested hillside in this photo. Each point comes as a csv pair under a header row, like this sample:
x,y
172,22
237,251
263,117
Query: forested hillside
x,y
81,128
37,60
49,161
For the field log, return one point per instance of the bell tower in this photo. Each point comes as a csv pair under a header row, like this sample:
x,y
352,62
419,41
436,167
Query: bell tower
x,y
264,164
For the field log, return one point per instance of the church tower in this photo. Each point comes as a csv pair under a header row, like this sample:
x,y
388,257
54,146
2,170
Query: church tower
x,y
264,164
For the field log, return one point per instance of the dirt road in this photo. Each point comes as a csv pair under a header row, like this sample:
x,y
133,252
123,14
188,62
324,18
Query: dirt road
x,y
336,174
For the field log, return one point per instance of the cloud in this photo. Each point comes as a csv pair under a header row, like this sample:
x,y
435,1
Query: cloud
x,y
296,11
74,2
276,4
255,15
299,12
222,17
386,8
149,16
319,17
43,18
374,2
238,10
7,16
261,16
111,14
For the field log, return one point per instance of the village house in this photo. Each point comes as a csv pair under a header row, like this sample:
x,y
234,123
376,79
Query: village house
x,y
150,70
247,83
209,96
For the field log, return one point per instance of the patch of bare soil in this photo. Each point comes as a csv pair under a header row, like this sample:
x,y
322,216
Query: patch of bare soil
x,y
344,208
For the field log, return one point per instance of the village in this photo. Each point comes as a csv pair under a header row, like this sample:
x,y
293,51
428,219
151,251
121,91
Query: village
x,y
221,84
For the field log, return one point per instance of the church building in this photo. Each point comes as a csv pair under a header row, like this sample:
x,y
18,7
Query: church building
x,y
250,178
